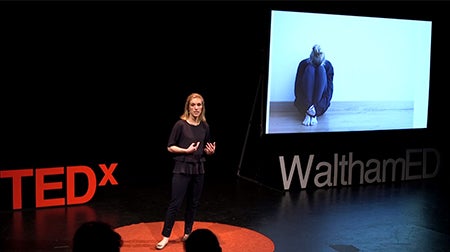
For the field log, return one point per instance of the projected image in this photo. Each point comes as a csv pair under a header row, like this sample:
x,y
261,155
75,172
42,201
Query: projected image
x,y
340,73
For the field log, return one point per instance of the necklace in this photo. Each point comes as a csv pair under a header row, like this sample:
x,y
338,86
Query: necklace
x,y
192,123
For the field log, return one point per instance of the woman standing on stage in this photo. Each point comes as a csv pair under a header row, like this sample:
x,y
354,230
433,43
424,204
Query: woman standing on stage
x,y
190,142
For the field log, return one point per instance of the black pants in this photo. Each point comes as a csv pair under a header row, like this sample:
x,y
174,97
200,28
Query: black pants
x,y
313,86
183,186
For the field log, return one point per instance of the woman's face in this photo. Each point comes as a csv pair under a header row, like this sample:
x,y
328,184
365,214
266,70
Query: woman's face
x,y
195,107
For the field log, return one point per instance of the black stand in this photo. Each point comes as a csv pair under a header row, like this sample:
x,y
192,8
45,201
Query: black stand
x,y
244,147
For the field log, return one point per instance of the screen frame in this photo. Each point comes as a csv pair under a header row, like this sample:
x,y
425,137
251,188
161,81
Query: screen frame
x,y
338,12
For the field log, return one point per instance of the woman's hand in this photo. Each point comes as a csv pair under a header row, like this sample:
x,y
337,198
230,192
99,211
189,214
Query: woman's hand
x,y
210,148
193,147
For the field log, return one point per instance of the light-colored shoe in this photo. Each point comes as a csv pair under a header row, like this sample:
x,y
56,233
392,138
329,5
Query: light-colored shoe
x,y
185,237
160,245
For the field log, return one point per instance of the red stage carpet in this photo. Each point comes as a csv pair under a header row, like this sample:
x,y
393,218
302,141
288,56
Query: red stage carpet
x,y
144,236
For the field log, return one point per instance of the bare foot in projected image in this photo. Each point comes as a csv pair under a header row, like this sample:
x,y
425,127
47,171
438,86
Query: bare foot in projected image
x,y
310,120
310,117
307,120
311,111
313,121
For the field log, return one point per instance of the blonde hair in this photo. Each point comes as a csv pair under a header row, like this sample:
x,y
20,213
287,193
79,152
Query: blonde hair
x,y
185,114
317,57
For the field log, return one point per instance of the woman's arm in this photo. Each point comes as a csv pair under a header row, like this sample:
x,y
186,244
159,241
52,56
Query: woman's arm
x,y
190,149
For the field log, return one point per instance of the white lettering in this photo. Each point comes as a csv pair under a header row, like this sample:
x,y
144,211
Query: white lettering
x,y
417,164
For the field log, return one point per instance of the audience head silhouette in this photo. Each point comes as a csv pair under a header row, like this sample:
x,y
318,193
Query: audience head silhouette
x,y
202,240
96,236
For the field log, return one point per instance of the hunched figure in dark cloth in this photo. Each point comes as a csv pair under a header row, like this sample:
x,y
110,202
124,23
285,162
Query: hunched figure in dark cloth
x,y
189,142
313,86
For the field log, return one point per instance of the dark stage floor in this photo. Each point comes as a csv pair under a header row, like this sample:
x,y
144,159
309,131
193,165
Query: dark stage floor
x,y
407,216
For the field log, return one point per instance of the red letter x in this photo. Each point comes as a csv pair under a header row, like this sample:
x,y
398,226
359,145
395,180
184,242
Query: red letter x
x,y
108,174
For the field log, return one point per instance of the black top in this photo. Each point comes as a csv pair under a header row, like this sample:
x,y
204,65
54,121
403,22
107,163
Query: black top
x,y
184,134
